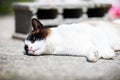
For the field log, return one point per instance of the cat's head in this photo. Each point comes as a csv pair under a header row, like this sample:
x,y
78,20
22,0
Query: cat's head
x,y
35,40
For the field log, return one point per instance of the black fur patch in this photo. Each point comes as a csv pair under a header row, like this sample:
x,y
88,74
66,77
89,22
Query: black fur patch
x,y
34,37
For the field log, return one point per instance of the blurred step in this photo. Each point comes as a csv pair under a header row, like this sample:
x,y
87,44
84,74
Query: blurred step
x,y
52,15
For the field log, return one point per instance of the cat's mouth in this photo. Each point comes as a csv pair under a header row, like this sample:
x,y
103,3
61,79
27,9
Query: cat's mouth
x,y
31,52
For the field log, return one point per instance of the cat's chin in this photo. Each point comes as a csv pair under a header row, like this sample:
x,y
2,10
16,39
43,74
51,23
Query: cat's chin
x,y
33,53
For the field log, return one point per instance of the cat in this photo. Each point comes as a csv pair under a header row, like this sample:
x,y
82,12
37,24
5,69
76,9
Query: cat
x,y
91,39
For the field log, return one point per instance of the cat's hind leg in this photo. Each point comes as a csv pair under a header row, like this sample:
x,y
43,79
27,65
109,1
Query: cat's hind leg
x,y
105,51
108,53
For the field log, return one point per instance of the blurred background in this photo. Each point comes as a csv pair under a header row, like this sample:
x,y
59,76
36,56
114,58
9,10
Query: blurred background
x,y
14,65
6,6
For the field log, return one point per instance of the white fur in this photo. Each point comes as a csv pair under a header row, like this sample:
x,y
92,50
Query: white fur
x,y
84,39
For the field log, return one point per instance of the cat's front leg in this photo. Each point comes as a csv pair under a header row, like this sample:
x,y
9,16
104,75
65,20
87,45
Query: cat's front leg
x,y
100,50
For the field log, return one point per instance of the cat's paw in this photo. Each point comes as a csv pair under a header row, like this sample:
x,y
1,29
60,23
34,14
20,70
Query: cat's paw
x,y
108,54
34,53
93,56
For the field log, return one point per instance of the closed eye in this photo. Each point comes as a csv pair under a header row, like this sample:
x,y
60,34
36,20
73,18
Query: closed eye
x,y
33,40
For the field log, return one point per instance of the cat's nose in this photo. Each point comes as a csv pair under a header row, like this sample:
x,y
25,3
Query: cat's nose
x,y
30,48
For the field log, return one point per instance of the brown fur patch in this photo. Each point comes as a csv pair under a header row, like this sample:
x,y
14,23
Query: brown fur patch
x,y
43,32
39,34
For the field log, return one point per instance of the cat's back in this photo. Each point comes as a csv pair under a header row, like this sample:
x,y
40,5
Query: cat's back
x,y
73,32
74,28
88,28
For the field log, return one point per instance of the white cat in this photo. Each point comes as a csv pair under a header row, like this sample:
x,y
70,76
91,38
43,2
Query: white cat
x,y
91,39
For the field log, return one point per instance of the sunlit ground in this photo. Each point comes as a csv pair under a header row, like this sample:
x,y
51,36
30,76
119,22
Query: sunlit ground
x,y
14,65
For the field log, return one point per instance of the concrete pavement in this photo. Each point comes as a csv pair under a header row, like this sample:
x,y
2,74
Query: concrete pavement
x,y
14,65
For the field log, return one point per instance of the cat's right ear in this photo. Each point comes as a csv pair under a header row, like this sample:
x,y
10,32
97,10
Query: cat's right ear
x,y
36,24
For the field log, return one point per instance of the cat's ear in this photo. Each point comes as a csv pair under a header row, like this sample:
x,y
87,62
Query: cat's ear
x,y
37,24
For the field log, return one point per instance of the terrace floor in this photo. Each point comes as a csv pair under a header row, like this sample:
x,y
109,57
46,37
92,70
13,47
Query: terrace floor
x,y
14,65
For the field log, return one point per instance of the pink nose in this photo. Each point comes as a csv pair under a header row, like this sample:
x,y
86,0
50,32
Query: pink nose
x,y
30,48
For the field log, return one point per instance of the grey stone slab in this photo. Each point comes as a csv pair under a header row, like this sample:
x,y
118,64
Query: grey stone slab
x,y
52,15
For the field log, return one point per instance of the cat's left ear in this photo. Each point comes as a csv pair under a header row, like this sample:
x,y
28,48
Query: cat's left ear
x,y
37,24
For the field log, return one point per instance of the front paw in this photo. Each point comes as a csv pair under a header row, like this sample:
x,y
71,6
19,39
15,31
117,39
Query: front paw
x,y
34,53
108,54
93,56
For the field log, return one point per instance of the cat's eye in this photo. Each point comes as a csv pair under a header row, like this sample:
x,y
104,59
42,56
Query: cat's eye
x,y
33,39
